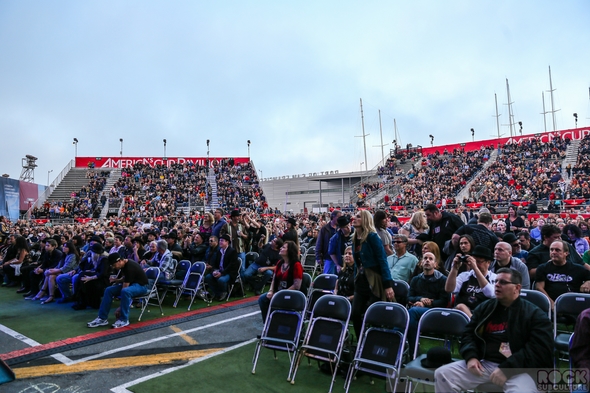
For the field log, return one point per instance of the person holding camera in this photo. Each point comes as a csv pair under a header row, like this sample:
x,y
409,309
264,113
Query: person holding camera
x,y
475,285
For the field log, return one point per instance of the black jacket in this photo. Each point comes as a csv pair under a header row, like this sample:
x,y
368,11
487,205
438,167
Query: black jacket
x,y
530,336
431,289
231,265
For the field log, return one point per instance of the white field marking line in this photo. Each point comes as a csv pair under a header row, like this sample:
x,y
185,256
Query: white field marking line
x,y
153,340
123,388
29,341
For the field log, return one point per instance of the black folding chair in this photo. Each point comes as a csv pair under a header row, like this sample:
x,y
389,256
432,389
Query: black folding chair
x,y
326,333
441,324
193,285
538,298
568,305
401,289
238,280
282,328
324,284
381,344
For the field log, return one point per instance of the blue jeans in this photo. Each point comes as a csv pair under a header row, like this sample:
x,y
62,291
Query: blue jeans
x,y
415,315
126,294
242,255
330,267
63,282
264,304
252,271
217,285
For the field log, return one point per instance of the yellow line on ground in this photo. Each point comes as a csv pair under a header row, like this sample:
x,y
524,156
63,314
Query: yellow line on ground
x,y
93,365
185,337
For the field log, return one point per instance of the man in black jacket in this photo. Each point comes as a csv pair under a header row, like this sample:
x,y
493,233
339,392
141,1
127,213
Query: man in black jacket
x,y
505,336
225,267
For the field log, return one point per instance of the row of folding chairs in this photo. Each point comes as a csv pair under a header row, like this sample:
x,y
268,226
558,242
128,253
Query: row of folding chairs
x,y
380,348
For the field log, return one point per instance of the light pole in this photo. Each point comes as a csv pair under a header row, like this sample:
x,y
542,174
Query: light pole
x,y
164,149
48,172
207,178
362,166
520,124
431,139
121,152
473,135
75,143
248,148
261,176
576,119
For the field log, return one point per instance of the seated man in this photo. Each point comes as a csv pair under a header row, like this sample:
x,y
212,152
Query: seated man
x,y
505,336
401,263
225,267
264,265
475,285
559,276
135,283
427,290
503,258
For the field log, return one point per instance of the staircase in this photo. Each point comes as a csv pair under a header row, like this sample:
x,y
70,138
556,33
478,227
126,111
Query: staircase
x,y
73,181
213,203
464,193
571,157
115,176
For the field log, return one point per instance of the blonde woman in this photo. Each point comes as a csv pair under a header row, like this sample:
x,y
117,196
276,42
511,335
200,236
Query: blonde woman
x,y
373,279
207,225
345,283
411,229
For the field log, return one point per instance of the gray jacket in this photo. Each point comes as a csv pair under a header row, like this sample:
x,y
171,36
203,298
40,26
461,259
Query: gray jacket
x,y
518,265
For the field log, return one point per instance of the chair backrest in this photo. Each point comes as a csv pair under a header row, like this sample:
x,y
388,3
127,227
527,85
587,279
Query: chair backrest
x,y
332,306
182,269
538,298
152,273
305,283
251,256
571,304
401,289
445,322
198,267
288,299
387,315
309,258
325,282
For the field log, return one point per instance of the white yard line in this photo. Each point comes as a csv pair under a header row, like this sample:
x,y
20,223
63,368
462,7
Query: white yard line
x,y
123,388
29,341
153,340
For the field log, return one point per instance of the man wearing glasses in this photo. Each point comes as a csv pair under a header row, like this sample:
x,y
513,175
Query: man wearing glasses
x,y
504,336
401,263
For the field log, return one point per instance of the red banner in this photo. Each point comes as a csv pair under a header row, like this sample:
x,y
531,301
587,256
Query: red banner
x,y
573,202
520,203
128,162
474,205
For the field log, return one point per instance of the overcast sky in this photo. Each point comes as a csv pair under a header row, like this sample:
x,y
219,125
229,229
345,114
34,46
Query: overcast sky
x,y
286,75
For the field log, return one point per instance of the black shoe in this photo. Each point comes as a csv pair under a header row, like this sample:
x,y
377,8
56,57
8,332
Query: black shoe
x,y
22,290
28,294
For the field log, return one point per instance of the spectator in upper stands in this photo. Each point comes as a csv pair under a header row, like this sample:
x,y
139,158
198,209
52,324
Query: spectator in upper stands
x,y
514,223
574,235
475,286
536,231
380,222
401,263
541,254
442,226
503,258
559,276
338,244
323,241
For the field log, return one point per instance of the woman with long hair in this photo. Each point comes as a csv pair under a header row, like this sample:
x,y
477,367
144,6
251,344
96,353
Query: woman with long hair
x,y
373,279
69,262
206,227
11,268
514,223
345,283
411,229
288,274
574,234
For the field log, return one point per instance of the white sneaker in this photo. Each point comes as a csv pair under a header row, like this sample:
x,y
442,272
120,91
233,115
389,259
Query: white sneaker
x,y
98,322
119,324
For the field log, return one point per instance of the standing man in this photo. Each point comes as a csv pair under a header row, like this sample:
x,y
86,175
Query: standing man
x,y
338,244
503,258
442,226
238,235
135,283
559,276
504,336
380,222
219,222
322,255
401,263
